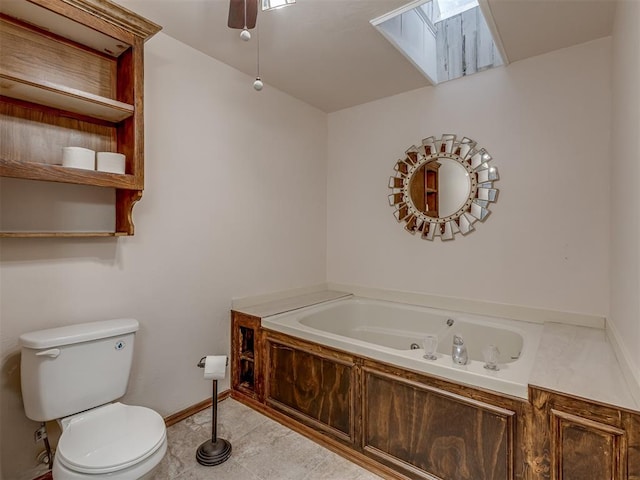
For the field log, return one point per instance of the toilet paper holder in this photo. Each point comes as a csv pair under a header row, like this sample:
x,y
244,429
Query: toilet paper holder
x,y
216,450
201,362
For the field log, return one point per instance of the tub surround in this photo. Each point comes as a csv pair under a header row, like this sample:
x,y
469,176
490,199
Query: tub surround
x,y
575,415
274,305
364,409
580,361
417,425
574,355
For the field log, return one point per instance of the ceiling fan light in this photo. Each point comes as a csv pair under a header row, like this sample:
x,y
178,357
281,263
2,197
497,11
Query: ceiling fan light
x,y
274,4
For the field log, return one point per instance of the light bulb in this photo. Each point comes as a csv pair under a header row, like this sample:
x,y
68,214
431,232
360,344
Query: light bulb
x,y
245,35
258,84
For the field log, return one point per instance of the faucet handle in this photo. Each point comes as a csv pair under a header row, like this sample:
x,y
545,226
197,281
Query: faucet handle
x,y
457,340
491,355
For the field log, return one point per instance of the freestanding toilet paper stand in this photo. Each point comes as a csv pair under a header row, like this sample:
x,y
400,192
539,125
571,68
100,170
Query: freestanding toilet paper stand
x,y
217,450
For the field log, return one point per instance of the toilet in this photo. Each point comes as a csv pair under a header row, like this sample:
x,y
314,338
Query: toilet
x,y
74,374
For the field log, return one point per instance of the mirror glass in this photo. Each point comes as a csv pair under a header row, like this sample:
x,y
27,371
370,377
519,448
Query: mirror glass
x,y
440,187
443,187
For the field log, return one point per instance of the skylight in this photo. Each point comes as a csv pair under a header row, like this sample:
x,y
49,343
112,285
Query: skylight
x,y
450,8
444,39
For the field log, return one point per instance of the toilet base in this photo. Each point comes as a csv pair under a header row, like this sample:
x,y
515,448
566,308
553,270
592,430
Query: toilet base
x,y
213,453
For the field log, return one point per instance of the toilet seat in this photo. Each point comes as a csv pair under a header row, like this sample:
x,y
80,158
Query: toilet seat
x,y
109,438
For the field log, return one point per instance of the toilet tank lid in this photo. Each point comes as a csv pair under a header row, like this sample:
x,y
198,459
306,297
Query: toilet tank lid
x,y
82,332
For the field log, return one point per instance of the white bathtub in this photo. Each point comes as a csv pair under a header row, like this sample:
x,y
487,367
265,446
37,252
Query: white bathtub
x,y
385,331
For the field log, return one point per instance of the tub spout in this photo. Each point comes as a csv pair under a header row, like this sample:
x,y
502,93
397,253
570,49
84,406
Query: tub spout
x,y
459,353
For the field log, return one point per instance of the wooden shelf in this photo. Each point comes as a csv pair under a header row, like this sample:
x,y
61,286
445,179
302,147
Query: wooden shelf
x,y
60,234
246,373
64,98
71,74
58,173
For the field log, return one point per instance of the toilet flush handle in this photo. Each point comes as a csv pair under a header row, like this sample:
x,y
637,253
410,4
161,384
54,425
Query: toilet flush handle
x,y
53,353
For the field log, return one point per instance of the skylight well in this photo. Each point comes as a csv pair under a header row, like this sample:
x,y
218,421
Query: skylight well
x,y
444,39
276,4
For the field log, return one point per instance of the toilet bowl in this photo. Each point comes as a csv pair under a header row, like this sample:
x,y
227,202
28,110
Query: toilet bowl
x,y
114,441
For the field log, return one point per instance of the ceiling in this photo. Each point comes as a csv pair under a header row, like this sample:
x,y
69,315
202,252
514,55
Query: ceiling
x,y
326,53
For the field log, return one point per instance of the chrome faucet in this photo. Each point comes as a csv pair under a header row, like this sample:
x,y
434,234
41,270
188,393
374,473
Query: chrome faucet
x,y
459,353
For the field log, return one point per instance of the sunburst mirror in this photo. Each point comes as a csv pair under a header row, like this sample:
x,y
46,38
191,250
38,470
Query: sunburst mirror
x,y
443,187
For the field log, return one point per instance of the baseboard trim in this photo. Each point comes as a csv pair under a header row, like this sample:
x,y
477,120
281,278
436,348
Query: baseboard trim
x,y
46,476
193,409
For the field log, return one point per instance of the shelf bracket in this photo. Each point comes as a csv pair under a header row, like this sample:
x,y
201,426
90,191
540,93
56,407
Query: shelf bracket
x,y
125,200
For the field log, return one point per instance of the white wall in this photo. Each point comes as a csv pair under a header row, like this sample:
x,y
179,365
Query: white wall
x,y
625,195
234,205
546,123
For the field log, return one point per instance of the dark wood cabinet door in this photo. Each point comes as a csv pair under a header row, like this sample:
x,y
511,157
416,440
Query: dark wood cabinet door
x,y
578,439
426,431
584,448
315,389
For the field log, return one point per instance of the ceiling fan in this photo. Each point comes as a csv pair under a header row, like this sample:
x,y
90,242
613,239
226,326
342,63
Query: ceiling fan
x,y
243,14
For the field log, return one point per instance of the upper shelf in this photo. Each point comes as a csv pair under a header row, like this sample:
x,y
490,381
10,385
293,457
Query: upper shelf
x,y
54,17
64,98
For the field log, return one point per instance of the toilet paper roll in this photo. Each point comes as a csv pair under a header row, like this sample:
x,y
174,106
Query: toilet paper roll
x,y
78,157
110,162
215,367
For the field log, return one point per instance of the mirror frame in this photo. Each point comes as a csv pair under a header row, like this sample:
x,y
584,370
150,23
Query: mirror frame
x,y
473,159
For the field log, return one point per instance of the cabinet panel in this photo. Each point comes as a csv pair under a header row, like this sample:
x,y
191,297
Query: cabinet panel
x,y
573,438
587,449
312,387
437,432
246,359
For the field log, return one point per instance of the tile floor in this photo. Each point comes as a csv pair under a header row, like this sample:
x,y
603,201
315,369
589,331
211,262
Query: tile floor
x,y
262,450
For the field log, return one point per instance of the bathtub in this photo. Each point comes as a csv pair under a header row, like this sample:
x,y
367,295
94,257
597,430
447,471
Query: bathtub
x,y
393,333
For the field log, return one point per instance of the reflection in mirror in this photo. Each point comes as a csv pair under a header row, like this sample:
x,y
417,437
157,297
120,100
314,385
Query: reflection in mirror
x,y
443,187
440,187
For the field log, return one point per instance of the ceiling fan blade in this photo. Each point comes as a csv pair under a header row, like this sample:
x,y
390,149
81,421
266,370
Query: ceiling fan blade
x,y
236,14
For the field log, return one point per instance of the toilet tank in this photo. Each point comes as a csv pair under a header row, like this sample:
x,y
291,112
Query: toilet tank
x,y
69,369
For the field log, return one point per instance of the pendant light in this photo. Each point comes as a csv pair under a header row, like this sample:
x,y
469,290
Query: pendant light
x,y
245,34
257,84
